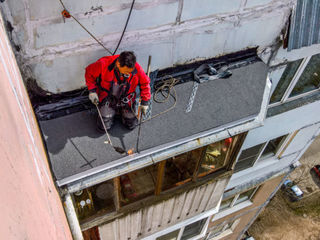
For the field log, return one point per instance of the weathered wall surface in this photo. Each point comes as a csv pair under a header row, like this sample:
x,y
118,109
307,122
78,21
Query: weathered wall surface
x,y
172,31
30,204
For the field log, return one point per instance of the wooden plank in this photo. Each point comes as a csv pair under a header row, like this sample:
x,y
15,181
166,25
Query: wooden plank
x,y
203,154
231,149
167,212
207,193
160,175
116,230
157,216
288,143
135,225
147,220
117,189
217,193
178,206
197,200
107,232
187,204
123,228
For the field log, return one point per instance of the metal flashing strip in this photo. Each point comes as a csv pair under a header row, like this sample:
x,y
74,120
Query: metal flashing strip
x,y
305,24
151,156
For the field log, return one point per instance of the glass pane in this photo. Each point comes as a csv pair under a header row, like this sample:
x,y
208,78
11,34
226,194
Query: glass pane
x,y
250,152
193,229
215,156
285,80
170,236
245,196
310,78
93,200
248,157
225,204
217,230
272,146
179,169
138,184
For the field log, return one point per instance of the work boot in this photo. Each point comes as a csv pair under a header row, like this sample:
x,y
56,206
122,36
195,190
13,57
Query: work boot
x,y
129,119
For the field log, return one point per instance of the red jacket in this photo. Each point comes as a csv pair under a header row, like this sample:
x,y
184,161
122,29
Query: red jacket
x,y
104,68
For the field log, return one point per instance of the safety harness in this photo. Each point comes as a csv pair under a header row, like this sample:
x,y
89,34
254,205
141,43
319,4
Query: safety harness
x,y
118,93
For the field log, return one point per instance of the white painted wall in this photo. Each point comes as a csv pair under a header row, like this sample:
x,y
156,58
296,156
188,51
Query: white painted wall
x,y
283,124
172,31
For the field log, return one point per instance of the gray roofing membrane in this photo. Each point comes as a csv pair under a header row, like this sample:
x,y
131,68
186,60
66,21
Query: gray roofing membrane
x,y
75,146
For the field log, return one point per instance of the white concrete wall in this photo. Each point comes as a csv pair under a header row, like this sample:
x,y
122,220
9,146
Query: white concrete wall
x,y
283,124
172,31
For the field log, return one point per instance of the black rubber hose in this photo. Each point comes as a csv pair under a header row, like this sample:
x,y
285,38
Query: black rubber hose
x,y
125,27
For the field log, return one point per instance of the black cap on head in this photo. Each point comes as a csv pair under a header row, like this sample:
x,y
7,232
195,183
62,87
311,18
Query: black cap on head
x,y
127,58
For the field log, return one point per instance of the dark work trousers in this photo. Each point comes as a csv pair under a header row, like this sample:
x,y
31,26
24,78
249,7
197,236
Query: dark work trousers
x,y
107,112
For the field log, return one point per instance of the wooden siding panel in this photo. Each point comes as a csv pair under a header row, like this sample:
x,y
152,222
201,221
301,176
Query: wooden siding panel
x,y
167,212
123,228
207,193
157,216
197,200
188,204
216,194
136,219
178,207
107,232
147,222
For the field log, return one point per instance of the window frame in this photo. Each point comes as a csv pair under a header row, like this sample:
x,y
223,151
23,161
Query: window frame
x,y
279,148
286,96
236,197
263,145
181,230
225,230
160,194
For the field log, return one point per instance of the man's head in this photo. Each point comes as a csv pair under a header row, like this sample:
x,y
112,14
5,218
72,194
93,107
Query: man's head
x,y
126,62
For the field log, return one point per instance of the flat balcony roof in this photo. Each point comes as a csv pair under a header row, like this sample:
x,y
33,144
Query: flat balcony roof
x,y
76,149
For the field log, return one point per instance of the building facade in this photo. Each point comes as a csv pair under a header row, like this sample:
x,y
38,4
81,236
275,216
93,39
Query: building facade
x,y
200,174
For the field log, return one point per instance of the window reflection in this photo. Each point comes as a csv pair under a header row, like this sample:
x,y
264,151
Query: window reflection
x,y
215,156
310,78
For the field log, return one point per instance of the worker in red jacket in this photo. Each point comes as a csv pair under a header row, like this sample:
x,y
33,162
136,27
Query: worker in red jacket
x,y
112,82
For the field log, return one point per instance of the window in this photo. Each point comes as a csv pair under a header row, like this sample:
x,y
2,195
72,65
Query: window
x,y
245,196
222,230
191,231
285,81
248,157
299,78
310,78
170,236
272,147
197,163
138,184
150,181
238,198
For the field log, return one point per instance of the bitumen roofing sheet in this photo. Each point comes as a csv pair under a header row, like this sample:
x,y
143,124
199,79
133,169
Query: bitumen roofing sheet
x,y
75,146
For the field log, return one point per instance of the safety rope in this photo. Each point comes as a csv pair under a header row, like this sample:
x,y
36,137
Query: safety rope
x,y
166,90
167,86
66,14
125,27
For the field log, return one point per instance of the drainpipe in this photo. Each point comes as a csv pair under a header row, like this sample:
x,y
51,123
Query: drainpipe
x,y
72,218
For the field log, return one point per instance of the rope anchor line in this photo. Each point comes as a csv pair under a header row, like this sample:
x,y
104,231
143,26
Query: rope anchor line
x,y
66,14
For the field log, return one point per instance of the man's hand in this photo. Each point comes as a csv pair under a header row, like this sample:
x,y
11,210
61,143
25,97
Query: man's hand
x,y
94,97
144,109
